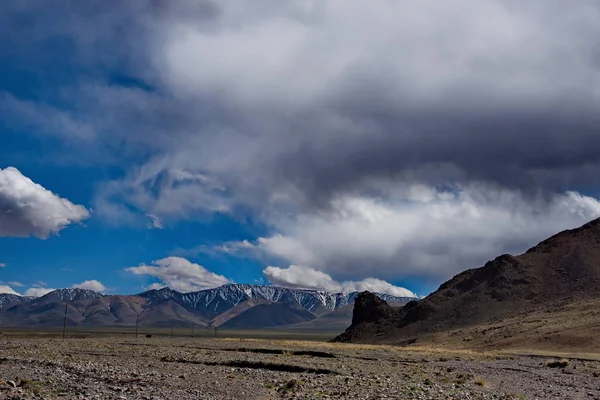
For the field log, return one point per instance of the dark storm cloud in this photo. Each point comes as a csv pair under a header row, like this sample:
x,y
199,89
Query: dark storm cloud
x,y
544,150
505,94
313,100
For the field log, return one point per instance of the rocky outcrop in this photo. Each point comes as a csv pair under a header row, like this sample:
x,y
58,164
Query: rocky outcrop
x,y
372,317
370,308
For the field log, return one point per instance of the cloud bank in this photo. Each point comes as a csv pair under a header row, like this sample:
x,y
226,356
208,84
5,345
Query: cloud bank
x,y
300,277
307,101
28,209
93,284
424,232
38,291
179,274
7,289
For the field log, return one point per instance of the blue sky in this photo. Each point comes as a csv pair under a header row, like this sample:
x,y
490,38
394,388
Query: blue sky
x,y
337,146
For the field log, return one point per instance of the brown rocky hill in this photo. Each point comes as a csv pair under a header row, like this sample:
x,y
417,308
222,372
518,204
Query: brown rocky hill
x,y
558,275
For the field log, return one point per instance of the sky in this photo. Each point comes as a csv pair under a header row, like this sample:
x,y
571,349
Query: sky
x,y
325,144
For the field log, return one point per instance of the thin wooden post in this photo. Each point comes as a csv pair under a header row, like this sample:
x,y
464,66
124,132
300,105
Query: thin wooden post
x,y
65,321
137,323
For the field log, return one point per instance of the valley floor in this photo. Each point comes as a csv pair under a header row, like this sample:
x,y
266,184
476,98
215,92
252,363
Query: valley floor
x,y
163,368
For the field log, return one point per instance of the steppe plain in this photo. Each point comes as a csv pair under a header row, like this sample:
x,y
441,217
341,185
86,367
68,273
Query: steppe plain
x,y
125,367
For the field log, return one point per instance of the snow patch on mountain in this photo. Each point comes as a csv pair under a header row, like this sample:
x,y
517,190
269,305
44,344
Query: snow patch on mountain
x,y
72,294
8,299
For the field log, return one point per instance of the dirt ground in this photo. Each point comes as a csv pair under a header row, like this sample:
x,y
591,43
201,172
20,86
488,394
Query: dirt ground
x,y
165,368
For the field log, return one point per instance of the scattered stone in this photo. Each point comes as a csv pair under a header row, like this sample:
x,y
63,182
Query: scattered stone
x,y
106,368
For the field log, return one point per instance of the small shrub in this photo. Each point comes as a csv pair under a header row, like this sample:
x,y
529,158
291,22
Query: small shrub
x,y
30,386
463,378
292,384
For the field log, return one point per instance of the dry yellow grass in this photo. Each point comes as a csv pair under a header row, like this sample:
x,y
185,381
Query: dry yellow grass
x,y
480,382
434,350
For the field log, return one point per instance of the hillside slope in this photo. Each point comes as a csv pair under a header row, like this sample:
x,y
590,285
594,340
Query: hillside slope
x,y
549,278
268,315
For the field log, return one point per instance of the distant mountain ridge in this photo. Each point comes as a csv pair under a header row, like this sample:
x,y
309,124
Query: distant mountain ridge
x,y
229,304
72,294
213,302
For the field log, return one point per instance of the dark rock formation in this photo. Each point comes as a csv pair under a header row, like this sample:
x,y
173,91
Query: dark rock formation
x,y
370,308
372,317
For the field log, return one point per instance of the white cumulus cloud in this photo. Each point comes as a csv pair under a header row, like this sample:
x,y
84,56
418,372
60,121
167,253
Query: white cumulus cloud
x,y
93,284
179,274
436,235
38,291
296,276
28,209
7,289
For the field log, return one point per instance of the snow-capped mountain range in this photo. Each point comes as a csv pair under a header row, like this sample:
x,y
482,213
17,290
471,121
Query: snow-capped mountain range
x,y
217,300
7,299
71,294
210,307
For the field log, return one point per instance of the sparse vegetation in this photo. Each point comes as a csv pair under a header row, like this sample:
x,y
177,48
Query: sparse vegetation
x,y
35,387
291,385
562,363
480,382
461,378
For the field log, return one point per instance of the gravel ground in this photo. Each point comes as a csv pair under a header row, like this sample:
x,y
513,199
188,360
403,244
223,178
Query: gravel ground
x,y
154,368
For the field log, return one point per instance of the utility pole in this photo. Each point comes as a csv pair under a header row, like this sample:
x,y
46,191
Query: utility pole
x,y
192,329
65,321
137,322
